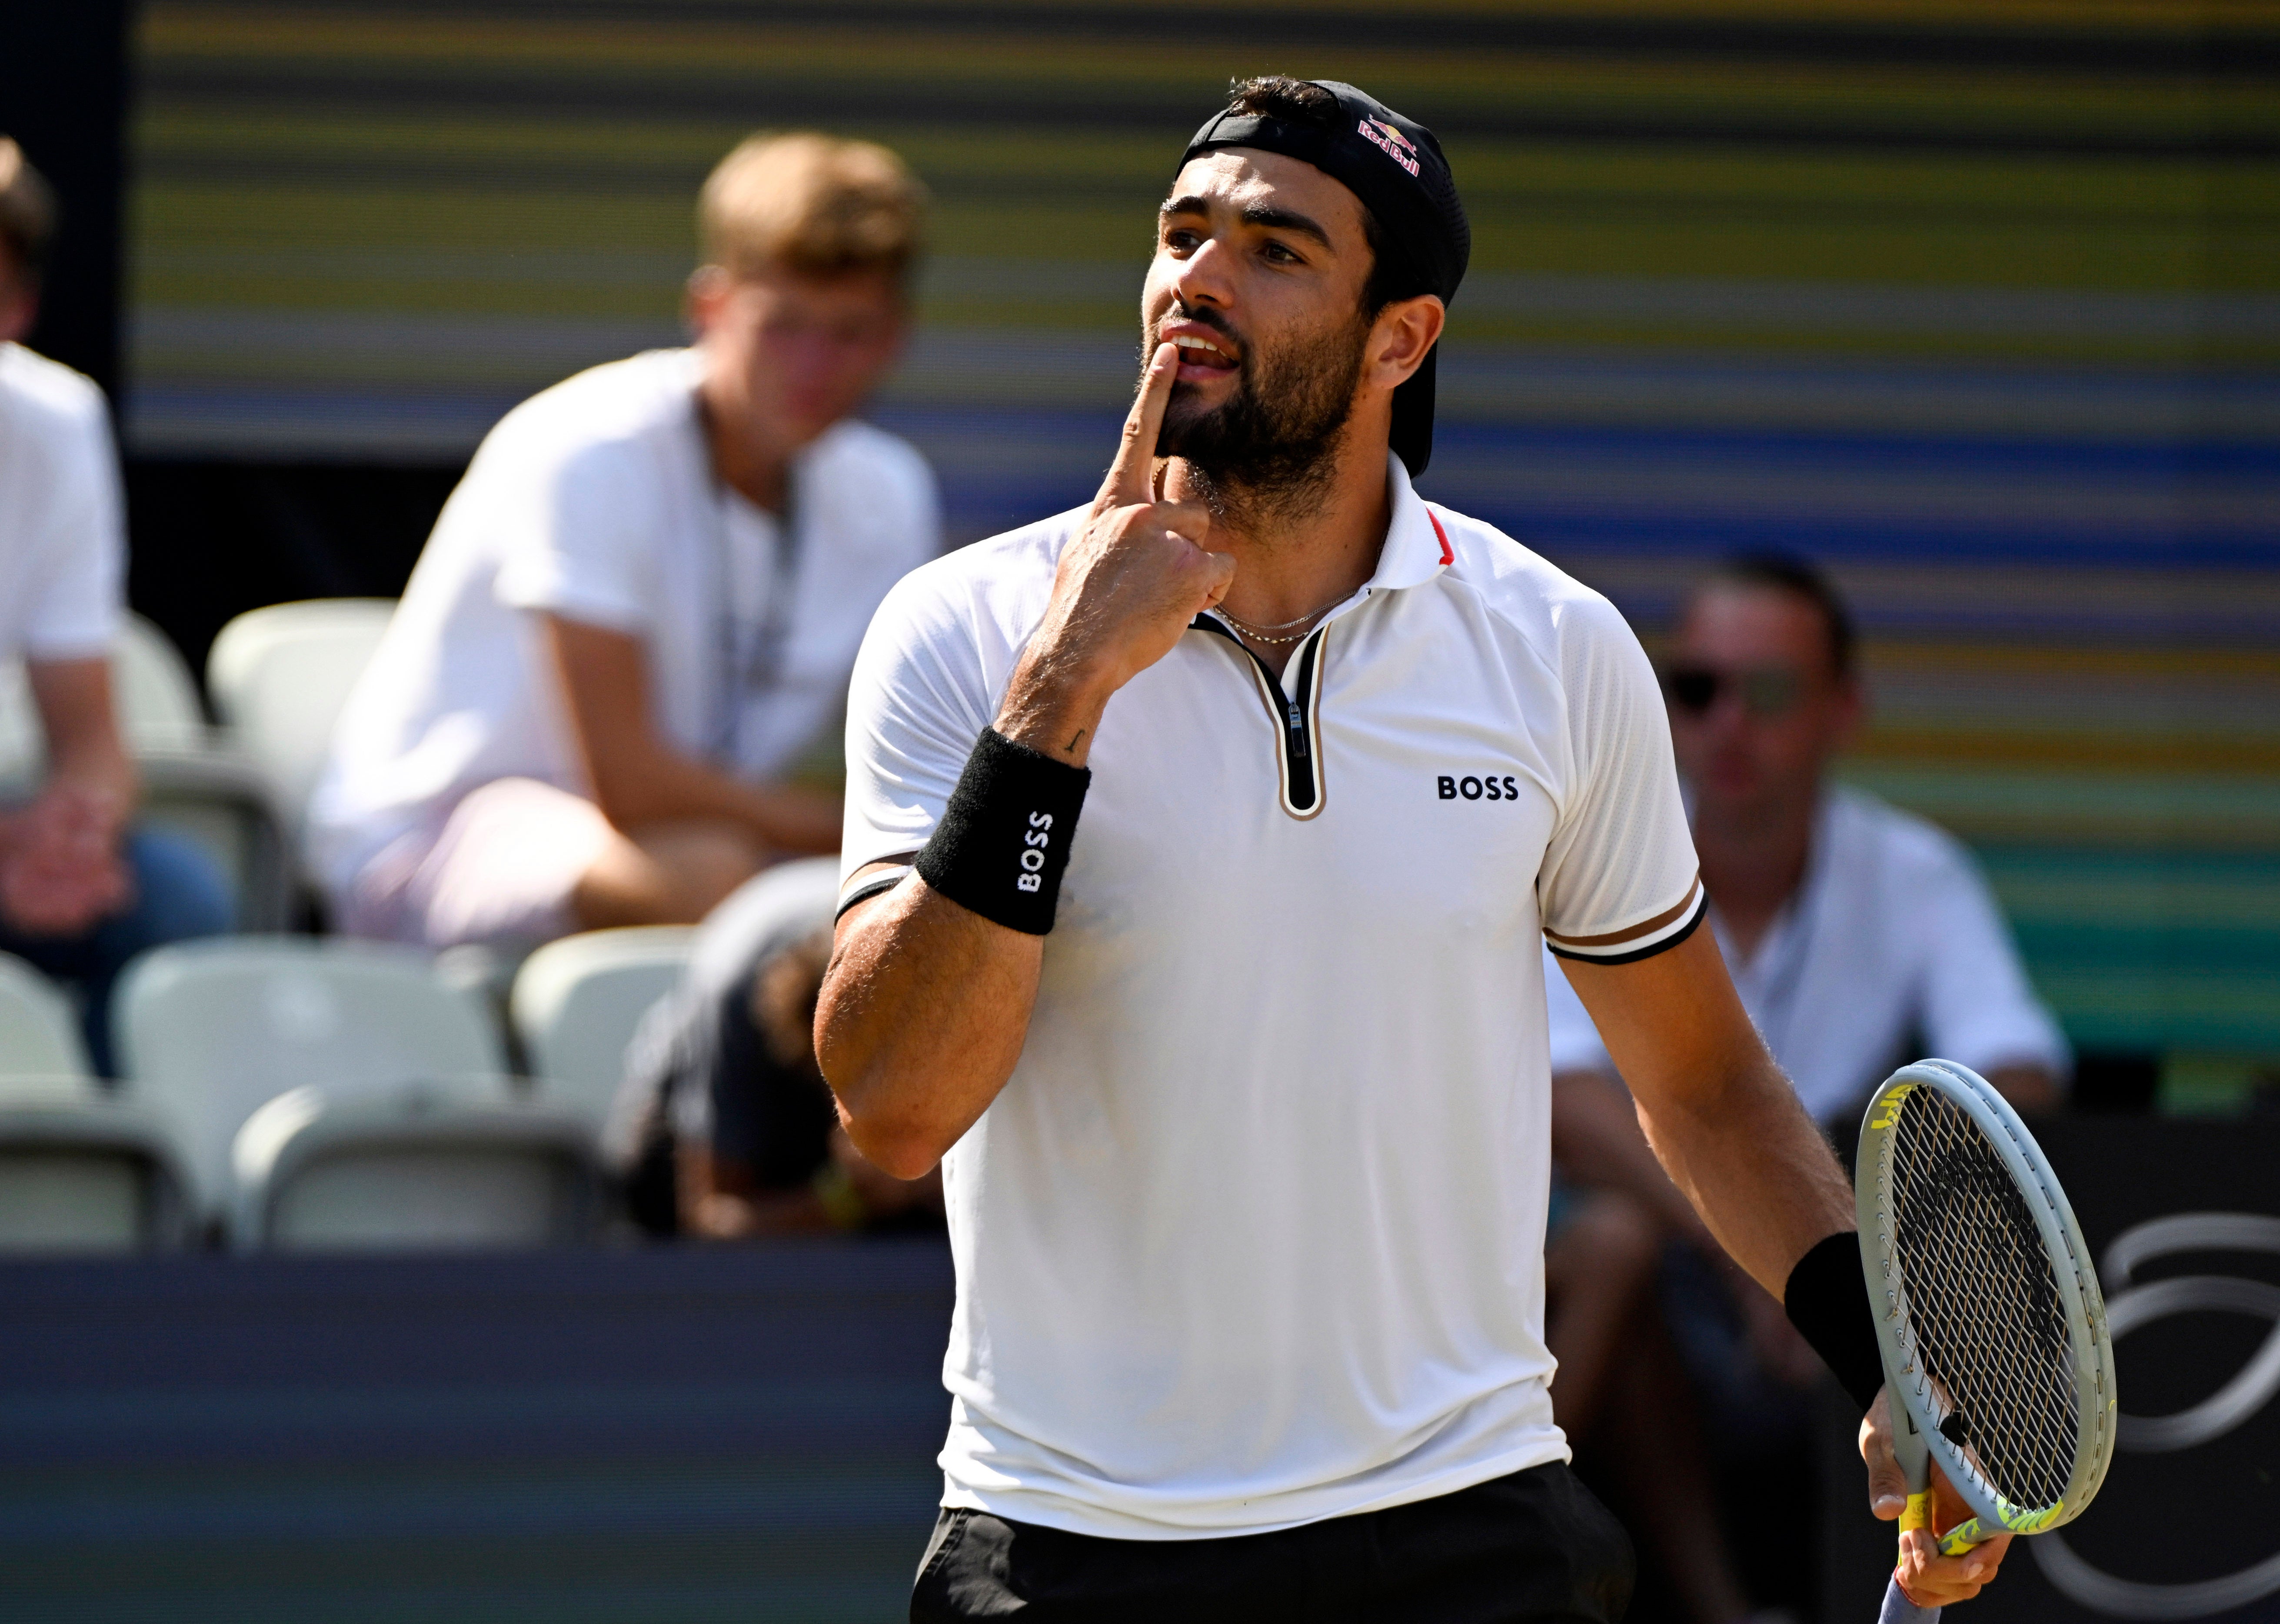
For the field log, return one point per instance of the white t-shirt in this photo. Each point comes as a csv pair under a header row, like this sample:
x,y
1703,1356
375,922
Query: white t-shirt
x,y
595,501
1253,1235
63,536
1892,945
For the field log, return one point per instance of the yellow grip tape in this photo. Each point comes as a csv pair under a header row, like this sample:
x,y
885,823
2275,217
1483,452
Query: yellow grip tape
x,y
1918,1514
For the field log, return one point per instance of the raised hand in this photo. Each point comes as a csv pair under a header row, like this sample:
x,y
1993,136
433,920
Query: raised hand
x,y
1128,584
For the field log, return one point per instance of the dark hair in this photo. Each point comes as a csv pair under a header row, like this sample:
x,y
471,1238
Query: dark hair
x,y
1294,101
1782,572
27,210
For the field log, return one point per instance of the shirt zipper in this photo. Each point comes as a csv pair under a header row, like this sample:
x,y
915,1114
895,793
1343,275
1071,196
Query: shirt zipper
x,y
1299,793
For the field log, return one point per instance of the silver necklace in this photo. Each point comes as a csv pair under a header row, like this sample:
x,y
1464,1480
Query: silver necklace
x,y
1264,634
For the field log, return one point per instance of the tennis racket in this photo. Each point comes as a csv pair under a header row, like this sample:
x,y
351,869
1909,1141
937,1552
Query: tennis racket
x,y
1997,1360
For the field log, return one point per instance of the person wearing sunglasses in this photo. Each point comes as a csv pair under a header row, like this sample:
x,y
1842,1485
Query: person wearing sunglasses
x,y
1859,936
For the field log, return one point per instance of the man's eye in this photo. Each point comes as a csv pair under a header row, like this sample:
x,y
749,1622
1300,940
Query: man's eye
x,y
1179,241
1280,255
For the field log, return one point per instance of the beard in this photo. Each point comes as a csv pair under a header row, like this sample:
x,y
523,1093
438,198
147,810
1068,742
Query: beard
x,y
1270,448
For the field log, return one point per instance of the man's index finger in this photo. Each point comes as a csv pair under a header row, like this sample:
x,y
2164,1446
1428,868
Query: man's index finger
x,y
1131,481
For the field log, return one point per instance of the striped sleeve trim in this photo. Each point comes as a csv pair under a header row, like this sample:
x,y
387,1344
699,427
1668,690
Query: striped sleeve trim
x,y
869,886
1644,940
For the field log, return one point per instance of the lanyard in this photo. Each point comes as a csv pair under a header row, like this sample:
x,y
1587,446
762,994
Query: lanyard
x,y
749,651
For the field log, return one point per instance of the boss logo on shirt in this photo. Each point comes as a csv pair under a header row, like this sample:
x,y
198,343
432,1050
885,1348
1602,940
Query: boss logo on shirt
x,y
1488,789
1033,856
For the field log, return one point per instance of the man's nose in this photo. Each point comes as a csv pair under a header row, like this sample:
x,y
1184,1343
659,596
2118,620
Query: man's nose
x,y
1203,277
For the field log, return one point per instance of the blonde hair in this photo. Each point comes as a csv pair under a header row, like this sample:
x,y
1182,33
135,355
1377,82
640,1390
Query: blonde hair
x,y
27,209
812,204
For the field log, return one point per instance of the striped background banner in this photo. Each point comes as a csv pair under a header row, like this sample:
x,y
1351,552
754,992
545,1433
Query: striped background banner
x,y
1977,303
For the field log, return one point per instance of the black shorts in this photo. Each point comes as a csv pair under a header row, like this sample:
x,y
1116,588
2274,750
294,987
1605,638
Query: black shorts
x,y
1529,1548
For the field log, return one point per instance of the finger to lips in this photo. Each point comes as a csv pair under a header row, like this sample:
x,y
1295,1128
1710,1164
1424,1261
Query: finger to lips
x,y
1131,481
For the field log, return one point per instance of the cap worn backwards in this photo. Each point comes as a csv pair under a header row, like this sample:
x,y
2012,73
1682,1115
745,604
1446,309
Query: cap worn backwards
x,y
1396,167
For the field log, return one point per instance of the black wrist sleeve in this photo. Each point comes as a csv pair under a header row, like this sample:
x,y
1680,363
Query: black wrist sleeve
x,y
1004,839
1827,1301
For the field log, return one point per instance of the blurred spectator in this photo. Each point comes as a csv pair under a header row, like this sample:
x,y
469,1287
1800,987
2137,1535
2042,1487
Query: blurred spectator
x,y
81,891
644,599
1859,936
1620,1393
724,1128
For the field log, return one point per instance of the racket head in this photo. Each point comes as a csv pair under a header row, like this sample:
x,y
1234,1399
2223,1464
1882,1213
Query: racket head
x,y
1988,1310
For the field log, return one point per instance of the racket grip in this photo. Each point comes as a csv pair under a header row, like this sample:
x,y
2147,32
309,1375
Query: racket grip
x,y
1897,1609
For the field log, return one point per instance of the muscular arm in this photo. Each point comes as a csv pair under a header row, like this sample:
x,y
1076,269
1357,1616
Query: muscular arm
x,y
1596,1139
923,1014
927,1003
637,777
1723,1121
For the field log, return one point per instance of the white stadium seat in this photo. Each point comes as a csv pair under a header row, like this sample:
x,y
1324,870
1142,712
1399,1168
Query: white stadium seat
x,y
83,1172
157,696
577,1001
39,1033
430,1165
207,1032
279,677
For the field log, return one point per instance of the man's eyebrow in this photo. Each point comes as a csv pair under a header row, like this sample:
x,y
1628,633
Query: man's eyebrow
x,y
1263,217
1268,218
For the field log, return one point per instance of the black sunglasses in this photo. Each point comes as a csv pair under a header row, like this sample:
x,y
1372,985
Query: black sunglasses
x,y
1765,693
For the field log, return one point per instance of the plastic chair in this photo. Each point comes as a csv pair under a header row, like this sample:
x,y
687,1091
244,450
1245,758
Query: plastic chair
x,y
442,1164
280,677
39,1033
577,1001
207,1032
81,1171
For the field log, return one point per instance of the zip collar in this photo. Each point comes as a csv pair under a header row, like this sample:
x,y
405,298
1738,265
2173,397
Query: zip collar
x,y
1416,550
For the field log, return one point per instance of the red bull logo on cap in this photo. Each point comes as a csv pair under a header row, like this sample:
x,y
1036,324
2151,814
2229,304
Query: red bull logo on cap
x,y
1391,142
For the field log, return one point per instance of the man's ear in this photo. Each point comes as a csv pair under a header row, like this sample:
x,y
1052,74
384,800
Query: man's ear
x,y
1402,336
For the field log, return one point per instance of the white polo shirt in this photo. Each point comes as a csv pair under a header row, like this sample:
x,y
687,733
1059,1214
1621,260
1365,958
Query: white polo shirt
x,y
1891,948
62,536
1253,1235
596,500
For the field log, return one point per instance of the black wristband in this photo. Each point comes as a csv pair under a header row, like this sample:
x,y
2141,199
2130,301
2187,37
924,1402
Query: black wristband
x,y
1827,1299
1004,839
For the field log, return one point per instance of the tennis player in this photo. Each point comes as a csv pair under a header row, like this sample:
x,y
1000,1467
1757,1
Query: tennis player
x,y
1199,846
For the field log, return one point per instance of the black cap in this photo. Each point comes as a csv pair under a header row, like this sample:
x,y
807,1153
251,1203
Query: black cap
x,y
1395,166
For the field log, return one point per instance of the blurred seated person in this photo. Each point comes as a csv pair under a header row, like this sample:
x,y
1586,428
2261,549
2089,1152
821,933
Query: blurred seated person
x,y
724,1128
81,890
644,601
1859,936
1620,1392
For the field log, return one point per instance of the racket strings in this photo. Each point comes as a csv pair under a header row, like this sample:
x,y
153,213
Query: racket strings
x,y
1982,1304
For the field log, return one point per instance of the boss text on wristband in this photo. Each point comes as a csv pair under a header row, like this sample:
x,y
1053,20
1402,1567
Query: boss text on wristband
x,y
1004,839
